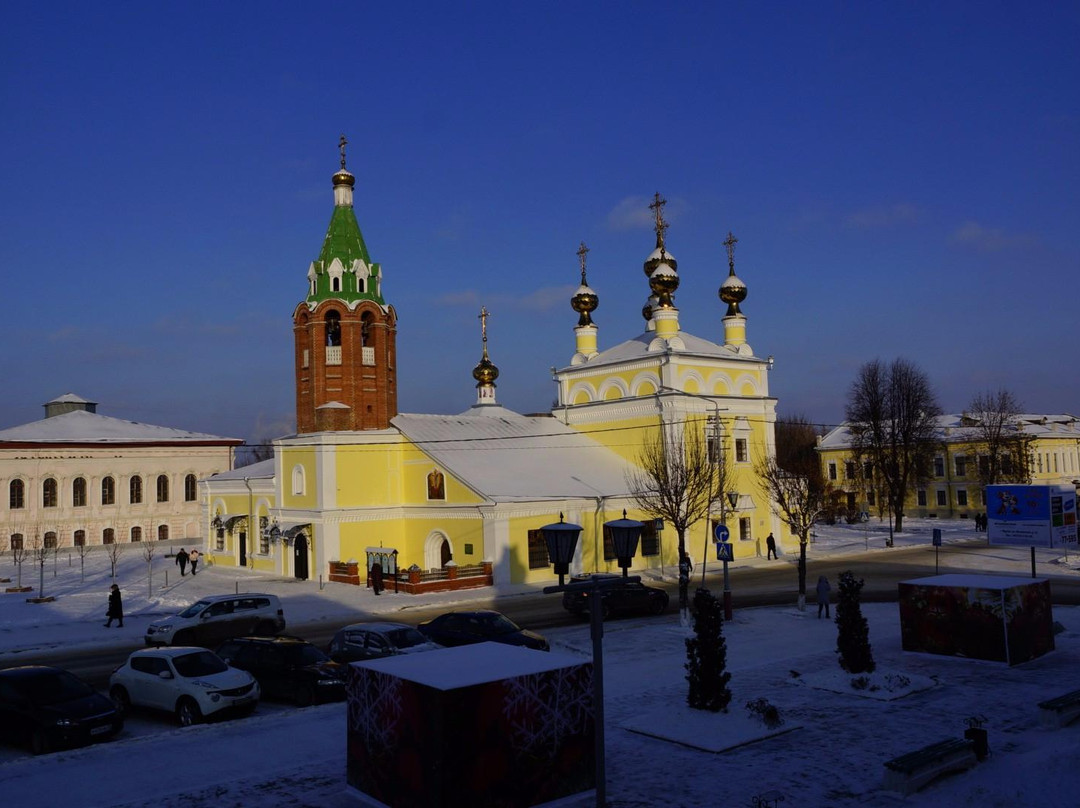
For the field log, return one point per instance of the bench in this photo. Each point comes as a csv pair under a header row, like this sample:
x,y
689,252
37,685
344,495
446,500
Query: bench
x,y
908,773
1062,711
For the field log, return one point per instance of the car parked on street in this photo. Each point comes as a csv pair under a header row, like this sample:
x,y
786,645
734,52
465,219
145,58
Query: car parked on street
x,y
49,708
190,683
287,668
484,625
212,620
377,640
619,597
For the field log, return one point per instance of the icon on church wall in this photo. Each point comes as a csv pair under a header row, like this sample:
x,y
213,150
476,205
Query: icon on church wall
x,y
436,485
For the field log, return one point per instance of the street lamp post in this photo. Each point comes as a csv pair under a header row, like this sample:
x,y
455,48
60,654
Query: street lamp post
x,y
561,539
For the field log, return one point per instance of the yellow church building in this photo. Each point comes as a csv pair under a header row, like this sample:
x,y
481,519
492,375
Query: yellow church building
x,y
450,501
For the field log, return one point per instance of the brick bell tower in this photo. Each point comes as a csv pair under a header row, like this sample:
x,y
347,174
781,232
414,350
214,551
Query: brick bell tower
x,y
344,333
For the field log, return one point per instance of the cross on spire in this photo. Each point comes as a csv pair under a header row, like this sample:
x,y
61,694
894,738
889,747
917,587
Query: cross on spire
x,y
730,243
341,148
483,326
582,251
661,226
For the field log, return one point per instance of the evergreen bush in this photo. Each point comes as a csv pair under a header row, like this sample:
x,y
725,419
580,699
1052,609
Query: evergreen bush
x,y
706,655
853,632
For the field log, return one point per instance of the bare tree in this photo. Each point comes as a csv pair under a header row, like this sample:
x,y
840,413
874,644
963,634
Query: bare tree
x,y
83,549
892,417
40,551
1003,450
18,555
792,481
677,482
149,549
114,551
3,549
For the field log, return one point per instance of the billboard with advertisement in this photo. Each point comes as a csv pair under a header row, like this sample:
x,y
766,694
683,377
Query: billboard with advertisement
x,y
1031,515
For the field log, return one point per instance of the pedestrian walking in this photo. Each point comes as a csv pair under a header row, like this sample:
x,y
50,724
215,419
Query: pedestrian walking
x,y
193,559
823,590
182,560
376,578
116,608
770,544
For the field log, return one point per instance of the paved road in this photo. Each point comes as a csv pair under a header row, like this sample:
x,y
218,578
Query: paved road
x,y
759,584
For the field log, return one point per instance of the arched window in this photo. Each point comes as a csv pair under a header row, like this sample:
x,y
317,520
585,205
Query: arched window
x,y
16,541
298,480
17,494
163,532
136,534
135,490
50,540
79,539
162,488
78,492
191,488
108,536
48,493
365,329
333,328
108,491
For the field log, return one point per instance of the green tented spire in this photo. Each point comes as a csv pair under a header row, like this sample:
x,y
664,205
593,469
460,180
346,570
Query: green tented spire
x,y
343,270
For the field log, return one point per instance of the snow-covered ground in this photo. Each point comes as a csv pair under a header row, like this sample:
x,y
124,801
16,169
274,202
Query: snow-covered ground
x,y
830,750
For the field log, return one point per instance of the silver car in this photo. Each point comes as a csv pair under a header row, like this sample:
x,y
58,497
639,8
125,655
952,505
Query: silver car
x,y
190,683
377,640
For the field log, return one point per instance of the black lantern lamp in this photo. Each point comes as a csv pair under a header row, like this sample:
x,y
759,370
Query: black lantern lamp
x,y
624,536
561,539
733,498
216,522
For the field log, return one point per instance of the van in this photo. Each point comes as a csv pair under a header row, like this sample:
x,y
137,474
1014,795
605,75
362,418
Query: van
x,y
212,620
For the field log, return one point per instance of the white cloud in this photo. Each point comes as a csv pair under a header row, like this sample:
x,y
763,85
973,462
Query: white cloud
x,y
987,239
633,213
882,216
542,299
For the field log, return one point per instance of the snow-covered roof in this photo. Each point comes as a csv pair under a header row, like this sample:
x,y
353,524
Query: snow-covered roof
x,y
264,469
508,457
84,427
959,427
638,348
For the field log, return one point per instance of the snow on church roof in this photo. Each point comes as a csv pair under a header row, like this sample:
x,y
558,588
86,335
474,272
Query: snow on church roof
x,y
84,427
638,348
508,457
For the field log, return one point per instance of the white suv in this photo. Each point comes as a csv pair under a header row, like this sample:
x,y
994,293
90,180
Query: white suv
x,y
212,620
191,683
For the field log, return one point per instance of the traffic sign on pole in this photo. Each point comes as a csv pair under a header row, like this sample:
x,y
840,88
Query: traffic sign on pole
x,y
724,551
721,533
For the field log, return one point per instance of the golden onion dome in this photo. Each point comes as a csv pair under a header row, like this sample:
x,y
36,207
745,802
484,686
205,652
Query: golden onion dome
x,y
647,309
584,302
733,292
663,282
658,256
343,177
485,371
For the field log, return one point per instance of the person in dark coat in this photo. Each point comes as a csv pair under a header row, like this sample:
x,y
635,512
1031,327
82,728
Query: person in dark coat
x,y
770,544
823,590
376,578
116,607
182,560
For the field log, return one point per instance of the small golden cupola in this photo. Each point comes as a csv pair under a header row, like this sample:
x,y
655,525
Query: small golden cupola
x,y
485,371
733,292
584,302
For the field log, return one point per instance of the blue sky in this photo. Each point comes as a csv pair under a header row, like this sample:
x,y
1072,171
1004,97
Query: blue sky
x,y
903,180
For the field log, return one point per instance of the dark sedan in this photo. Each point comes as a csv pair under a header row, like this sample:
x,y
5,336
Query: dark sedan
x,y
465,628
49,708
617,598
287,668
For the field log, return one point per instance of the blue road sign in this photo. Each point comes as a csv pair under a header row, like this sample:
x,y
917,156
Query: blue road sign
x,y
724,551
937,537
721,533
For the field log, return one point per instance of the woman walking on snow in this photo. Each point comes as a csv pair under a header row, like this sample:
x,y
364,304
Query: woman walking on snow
x,y
116,607
823,589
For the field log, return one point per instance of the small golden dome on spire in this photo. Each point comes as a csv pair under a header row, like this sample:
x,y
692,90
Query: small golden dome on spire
x,y
343,177
732,291
585,300
660,254
485,371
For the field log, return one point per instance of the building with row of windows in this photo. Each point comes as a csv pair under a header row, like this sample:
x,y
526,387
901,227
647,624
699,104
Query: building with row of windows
x,y
361,482
80,478
1040,449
